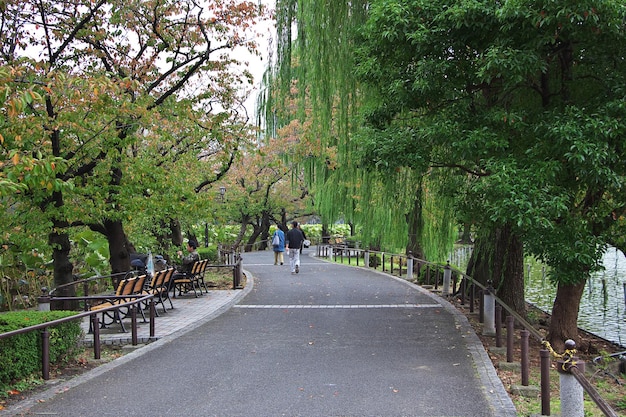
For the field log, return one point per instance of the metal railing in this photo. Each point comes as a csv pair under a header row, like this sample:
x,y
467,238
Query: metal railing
x,y
131,302
94,320
231,258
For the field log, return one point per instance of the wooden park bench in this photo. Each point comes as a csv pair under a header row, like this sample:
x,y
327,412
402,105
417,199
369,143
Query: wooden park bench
x,y
193,280
159,287
126,288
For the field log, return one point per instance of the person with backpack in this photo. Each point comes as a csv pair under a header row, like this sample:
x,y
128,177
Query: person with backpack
x,y
278,246
293,245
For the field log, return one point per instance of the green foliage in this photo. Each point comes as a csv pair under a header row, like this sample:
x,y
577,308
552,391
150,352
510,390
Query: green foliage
x,y
20,356
208,253
536,137
91,251
23,273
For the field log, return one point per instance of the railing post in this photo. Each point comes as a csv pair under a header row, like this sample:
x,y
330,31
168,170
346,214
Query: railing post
x,y
472,296
463,289
237,275
525,359
447,273
570,391
133,324
96,336
510,333
481,303
152,318
45,354
44,300
455,281
498,325
409,266
489,308
366,258
545,382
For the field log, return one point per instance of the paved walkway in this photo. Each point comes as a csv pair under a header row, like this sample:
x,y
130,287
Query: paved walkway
x,y
329,341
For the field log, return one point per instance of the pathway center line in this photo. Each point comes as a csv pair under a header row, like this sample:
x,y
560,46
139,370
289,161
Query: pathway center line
x,y
336,306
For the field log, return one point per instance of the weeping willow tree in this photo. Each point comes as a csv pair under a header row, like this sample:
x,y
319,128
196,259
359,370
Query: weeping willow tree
x,y
395,205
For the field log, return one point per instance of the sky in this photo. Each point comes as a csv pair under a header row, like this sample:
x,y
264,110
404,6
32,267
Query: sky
x,y
258,64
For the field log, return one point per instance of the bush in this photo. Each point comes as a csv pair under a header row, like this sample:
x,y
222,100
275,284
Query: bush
x,y
20,356
209,253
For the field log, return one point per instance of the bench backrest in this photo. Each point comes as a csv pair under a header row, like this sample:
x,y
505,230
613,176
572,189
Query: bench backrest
x,y
129,286
157,279
199,267
139,283
167,277
195,268
204,265
120,287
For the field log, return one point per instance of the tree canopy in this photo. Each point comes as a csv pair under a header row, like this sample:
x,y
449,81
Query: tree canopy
x,y
108,107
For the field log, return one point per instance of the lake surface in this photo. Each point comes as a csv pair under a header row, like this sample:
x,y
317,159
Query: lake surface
x,y
603,305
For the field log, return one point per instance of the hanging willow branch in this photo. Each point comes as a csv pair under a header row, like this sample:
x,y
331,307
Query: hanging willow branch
x,y
315,53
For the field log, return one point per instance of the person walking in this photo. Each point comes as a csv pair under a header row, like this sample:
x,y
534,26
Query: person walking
x,y
278,246
293,244
305,241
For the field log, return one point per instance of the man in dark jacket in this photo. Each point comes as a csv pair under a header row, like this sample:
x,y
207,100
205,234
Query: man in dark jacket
x,y
187,264
293,243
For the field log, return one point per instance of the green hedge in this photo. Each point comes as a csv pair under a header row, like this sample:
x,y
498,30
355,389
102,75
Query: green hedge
x,y
209,253
20,356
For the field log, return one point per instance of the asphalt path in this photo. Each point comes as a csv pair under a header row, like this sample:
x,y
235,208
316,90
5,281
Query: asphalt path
x,y
330,341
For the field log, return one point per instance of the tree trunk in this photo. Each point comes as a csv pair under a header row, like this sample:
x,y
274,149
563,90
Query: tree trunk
x,y
261,230
177,233
415,225
511,286
325,233
498,257
60,243
466,235
243,225
119,254
564,321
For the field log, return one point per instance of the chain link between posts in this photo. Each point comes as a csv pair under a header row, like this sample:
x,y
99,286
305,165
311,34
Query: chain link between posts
x,y
567,357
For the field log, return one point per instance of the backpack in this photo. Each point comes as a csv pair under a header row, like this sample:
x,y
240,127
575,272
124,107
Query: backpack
x,y
276,240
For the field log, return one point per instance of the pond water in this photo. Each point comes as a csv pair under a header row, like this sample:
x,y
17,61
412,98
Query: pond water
x,y
603,305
